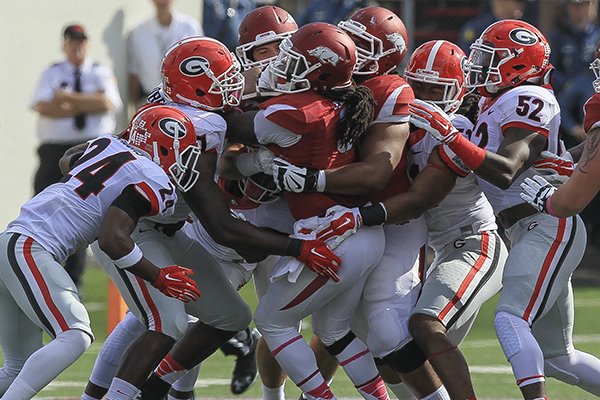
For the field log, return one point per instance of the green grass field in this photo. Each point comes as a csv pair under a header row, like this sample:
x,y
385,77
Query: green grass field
x,y
490,371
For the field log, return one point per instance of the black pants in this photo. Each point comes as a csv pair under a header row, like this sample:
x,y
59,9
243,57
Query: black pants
x,y
48,173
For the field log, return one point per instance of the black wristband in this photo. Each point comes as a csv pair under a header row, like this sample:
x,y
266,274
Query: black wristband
x,y
312,177
293,249
373,215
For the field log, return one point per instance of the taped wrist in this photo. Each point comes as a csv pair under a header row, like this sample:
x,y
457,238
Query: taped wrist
x,y
375,214
130,259
471,155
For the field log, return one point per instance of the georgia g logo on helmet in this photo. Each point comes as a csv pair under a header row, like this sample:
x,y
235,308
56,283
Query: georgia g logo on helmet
x,y
172,128
523,37
194,66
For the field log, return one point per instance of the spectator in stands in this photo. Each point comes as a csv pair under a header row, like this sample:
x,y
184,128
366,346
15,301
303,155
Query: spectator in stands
x,y
499,9
222,19
148,42
571,98
332,11
573,42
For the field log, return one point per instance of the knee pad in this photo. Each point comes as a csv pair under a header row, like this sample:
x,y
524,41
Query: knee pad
x,y
78,340
406,359
507,327
339,346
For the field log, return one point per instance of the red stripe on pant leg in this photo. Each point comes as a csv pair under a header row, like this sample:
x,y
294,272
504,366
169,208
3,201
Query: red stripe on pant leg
x,y
284,345
35,271
422,259
562,224
485,239
354,357
153,309
308,291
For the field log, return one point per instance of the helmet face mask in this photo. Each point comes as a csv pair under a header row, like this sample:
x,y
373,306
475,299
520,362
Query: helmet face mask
x,y
289,70
484,66
259,188
168,137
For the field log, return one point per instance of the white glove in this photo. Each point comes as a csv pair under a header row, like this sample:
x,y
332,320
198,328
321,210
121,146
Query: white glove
x,y
291,178
536,192
254,162
264,84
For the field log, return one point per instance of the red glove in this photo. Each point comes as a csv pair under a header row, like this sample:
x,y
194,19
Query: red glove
x,y
343,223
433,119
174,281
555,169
319,258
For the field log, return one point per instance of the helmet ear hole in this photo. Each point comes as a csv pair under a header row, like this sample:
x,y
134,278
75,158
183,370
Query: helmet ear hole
x,y
200,93
324,77
164,151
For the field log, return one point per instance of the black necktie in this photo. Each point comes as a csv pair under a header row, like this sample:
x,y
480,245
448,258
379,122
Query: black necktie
x,y
79,119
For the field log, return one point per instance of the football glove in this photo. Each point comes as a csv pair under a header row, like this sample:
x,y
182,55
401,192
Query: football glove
x,y
555,169
174,281
433,119
320,259
536,192
341,223
291,178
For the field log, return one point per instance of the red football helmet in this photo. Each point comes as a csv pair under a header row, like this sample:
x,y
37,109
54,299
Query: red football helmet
x,y
263,25
595,67
381,40
203,73
439,62
168,136
318,56
259,188
508,53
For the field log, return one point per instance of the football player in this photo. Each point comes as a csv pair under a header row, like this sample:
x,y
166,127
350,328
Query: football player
x,y
469,253
518,119
380,172
315,65
108,189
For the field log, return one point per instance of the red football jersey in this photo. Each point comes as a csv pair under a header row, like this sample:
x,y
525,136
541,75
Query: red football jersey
x,y
591,112
314,118
392,95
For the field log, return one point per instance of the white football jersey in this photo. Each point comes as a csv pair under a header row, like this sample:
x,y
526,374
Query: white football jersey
x,y
532,107
210,131
69,214
465,210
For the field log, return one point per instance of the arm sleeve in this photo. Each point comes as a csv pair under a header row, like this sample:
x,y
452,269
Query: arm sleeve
x,y
133,203
269,132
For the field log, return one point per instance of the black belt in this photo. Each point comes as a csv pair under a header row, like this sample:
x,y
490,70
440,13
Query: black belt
x,y
512,215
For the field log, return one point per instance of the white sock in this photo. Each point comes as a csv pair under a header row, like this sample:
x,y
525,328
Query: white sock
x,y
9,372
105,366
88,397
121,390
55,357
187,382
578,369
273,393
401,391
440,394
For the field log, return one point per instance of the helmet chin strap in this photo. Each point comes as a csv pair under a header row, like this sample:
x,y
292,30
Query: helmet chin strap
x,y
155,156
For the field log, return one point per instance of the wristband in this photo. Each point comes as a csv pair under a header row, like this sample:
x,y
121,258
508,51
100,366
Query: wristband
x,y
471,155
321,181
293,249
134,256
375,214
